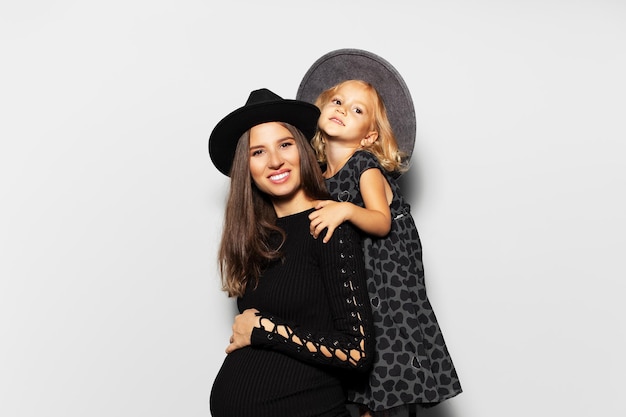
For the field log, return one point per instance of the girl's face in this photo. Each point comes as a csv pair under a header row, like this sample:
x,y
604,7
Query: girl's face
x,y
349,114
275,162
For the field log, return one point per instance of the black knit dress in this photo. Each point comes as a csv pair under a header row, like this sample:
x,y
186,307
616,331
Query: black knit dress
x,y
318,292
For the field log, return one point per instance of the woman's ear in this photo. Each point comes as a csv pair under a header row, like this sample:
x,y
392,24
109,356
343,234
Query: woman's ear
x,y
369,139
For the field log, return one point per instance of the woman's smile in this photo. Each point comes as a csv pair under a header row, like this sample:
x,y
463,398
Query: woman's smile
x,y
280,177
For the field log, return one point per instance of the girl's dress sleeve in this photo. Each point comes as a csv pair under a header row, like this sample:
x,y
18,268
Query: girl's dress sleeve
x,y
350,344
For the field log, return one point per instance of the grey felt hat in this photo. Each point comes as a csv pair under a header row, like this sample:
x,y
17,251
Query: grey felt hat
x,y
262,106
345,64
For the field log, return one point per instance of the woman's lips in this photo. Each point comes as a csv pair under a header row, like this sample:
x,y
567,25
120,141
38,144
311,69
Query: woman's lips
x,y
279,177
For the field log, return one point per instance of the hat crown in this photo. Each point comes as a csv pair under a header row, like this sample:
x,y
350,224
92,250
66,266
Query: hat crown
x,y
262,95
263,106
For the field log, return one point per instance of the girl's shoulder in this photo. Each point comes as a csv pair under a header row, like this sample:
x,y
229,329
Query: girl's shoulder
x,y
363,160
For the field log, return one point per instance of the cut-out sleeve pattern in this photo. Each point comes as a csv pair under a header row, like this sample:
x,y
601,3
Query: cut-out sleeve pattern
x,y
349,344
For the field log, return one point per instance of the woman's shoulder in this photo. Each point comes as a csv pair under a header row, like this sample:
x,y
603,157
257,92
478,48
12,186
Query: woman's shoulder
x,y
294,221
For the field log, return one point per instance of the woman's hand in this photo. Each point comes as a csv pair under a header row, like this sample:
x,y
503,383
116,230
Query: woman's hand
x,y
242,329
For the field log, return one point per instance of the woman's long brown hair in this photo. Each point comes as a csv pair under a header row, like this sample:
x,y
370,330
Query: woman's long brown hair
x,y
250,218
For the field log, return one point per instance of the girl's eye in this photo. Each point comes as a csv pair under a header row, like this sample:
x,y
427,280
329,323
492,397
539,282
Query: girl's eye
x,y
285,144
336,101
256,152
358,111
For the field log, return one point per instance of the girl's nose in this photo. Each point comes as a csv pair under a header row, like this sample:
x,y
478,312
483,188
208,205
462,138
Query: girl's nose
x,y
340,110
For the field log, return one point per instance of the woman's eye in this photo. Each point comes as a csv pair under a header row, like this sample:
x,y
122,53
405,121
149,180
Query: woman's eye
x,y
256,152
285,144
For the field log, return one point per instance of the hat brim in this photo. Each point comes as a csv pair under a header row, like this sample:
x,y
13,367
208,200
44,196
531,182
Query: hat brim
x,y
225,136
345,64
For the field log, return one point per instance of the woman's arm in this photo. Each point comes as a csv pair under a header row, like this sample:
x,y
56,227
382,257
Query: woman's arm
x,y
349,344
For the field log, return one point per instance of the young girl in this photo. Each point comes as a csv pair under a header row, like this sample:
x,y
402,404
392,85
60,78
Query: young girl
x,y
356,146
304,321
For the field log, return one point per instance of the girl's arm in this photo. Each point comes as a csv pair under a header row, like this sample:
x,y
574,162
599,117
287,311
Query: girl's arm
x,y
374,219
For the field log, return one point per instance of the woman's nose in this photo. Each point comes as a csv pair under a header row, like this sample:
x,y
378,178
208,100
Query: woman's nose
x,y
275,160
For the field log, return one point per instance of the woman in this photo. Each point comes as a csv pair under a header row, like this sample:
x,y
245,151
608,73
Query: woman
x,y
304,327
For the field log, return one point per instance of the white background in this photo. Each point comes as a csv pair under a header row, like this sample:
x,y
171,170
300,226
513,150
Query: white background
x,y
111,210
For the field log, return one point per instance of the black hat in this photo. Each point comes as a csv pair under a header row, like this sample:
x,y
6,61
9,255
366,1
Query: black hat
x,y
350,64
262,106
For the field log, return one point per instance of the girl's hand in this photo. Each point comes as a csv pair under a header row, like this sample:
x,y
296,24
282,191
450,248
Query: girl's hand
x,y
242,329
328,215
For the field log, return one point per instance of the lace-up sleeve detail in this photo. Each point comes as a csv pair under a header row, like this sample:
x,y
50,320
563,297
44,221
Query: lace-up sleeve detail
x,y
350,343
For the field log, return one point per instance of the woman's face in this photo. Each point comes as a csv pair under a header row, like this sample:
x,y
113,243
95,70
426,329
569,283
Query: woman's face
x,y
275,162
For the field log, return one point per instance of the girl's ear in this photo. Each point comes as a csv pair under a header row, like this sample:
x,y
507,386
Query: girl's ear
x,y
369,139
